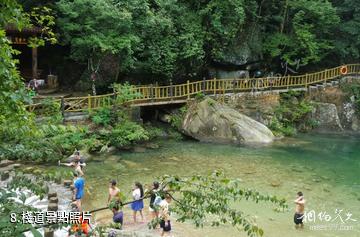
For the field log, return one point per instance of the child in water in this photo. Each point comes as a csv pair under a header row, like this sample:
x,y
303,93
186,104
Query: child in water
x,y
138,204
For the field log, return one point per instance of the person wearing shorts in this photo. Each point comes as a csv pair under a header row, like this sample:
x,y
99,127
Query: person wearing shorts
x,y
299,210
79,184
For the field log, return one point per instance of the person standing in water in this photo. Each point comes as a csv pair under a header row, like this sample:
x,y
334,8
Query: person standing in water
x,y
165,215
153,200
299,210
138,204
114,192
79,184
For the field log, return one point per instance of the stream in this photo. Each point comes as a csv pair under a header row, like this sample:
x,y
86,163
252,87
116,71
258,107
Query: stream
x,y
324,167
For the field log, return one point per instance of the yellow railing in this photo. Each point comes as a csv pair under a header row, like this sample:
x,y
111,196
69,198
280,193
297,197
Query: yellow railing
x,y
152,94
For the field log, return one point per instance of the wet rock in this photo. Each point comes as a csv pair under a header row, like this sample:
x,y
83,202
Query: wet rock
x,y
52,207
67,183
326,190
275,184
52,194
29,169
53,200
112,159
307,188
316,180
16,166
5,175
5,163
139,149
152,146
111,149
37,172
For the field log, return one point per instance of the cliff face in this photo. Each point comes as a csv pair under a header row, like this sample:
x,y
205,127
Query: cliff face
x,y
334,108
344,101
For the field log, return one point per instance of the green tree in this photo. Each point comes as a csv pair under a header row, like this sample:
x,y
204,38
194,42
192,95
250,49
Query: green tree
x,y
300,30
95,29
14,120
347,35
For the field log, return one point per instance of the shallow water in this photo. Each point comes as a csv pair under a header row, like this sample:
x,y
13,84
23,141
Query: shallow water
x,y
324,168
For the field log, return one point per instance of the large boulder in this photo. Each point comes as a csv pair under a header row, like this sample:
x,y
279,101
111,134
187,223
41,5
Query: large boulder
x,y
327,117
210,121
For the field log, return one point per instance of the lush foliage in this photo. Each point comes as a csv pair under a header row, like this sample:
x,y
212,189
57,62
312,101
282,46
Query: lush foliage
x,y
125,92
101,116
127,133
14,120
302,30
177,117
291,113
180,39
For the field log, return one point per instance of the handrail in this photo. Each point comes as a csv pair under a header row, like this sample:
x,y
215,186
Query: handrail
x,y
150,94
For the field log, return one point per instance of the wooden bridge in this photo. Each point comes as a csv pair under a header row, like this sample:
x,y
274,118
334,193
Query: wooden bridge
x,y
172,94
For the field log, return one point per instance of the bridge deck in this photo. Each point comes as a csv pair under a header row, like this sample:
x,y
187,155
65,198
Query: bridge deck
x,y
176,94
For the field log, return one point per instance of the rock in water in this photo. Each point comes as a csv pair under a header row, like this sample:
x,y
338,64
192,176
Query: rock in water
x,y
210,121
327,117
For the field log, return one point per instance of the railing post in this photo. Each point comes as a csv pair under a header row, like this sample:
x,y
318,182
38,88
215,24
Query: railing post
x,y
157,94
89,102
306,80
62,104
188,89
204,85
151,92
171,90
215,86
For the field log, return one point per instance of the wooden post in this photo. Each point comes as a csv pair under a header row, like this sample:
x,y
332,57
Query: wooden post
x,y
171,90
215,86
157,94
62,108
204,85
306,80
188,89
89,101
151,92
34,54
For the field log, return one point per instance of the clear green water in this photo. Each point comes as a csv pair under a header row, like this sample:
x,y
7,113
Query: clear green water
x,y
325,168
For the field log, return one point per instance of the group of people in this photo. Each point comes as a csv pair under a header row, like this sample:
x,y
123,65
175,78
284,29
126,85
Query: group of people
x,y
158,206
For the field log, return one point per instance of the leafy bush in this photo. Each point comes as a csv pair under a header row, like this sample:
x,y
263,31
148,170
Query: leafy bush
x,y
177,118
280,129
128,133
101,116
50,111
125,92
291,113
